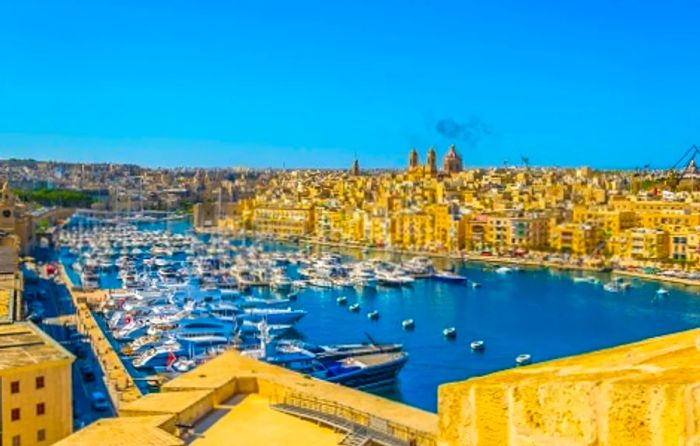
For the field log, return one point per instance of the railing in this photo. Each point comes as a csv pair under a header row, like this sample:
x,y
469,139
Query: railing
x,y
349,419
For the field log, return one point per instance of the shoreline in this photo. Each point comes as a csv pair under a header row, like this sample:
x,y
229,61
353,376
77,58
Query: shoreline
x,y
532,263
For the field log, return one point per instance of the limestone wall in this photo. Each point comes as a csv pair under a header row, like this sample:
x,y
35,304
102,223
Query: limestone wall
x,y
646,393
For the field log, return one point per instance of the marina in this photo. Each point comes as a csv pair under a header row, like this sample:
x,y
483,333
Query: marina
x,y
306,298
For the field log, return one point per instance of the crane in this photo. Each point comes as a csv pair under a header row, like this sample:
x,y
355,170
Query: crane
x,y
675,177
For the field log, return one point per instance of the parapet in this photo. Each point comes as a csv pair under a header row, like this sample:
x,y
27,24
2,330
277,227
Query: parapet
x,y
646,393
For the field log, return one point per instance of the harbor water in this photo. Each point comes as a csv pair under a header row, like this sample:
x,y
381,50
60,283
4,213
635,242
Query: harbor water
x,y
536,311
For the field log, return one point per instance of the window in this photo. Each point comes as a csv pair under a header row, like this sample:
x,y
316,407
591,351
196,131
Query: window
x,y
39,382
40,409
14,387
41,435
14,415
16,440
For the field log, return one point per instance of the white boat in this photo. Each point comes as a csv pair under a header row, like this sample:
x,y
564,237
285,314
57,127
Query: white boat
x,y
321,283
523,359
373,315
354,308
475,284
341,300
611,287
408,324
450,332
448,276
662,292
504,270
477,346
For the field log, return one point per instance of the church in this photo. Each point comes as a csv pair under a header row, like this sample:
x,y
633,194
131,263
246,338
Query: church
x,y
451,162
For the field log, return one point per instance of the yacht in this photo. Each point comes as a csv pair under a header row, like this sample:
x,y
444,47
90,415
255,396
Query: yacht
x,y
448,276
274,316
363,368
419,267
160,357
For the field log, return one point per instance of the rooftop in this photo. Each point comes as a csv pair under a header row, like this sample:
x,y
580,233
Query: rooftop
x,y
233,396
23,344
142,431
255,422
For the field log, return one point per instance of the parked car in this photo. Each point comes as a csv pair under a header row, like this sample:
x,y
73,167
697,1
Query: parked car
x,y
99,402
87,372
80,350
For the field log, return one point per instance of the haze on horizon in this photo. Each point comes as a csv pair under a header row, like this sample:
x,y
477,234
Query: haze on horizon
x,y
314,84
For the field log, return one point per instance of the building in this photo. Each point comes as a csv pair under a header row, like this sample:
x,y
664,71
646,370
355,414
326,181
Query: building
x,y
233,399
576,239
205,215
643,244
431,162
11,281
283,219
413,161
355,168
14,219
452,162
35,387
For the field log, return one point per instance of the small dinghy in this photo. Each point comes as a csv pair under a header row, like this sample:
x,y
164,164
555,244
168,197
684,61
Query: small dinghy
x,y
477,346
373,315
408,324
523,359
449,332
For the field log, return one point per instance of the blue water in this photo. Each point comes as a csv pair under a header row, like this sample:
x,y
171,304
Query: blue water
x,y
538,312
546,315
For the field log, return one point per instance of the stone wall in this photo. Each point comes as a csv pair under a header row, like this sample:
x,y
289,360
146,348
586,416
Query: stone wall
x,y
647,393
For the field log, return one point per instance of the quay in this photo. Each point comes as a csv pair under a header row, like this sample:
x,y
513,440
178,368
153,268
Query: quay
x,y
119,383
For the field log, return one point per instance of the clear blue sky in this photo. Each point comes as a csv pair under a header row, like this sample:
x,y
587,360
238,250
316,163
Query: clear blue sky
x,y
310,83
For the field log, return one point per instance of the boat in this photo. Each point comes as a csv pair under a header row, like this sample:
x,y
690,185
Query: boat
x,y
159,357
274,316
408,324
662,292
450,332
477,346
612,287
504,270
373,315
182,365
354,308
475,285
359,366
321,283
580,280
523,359
342,300
448,276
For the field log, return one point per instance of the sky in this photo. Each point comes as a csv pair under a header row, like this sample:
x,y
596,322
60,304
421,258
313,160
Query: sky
x,y
603,83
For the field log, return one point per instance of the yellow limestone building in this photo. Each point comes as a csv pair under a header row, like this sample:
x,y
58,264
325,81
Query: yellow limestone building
x,y
35,387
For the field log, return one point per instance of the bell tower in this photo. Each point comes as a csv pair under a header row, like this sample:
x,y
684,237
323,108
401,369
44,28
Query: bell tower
x,y
431,162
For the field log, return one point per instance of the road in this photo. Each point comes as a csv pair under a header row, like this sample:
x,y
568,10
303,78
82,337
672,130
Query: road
x,y
57,323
